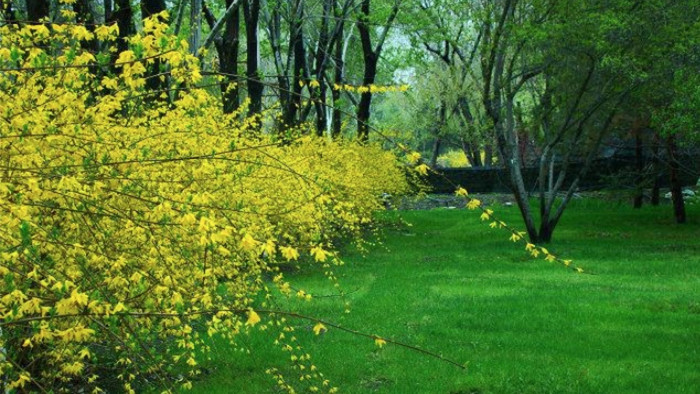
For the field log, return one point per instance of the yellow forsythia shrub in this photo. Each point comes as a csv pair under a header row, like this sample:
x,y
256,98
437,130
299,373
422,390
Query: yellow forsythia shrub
x,y
134,223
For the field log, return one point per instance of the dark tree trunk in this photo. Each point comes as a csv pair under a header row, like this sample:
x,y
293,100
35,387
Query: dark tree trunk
x,y
124,18
488,154
153,81
251,11
676,188
296,43
338,79
435,152
363,109
37,10
229,61
639,166
108,10
371,58
656,189
151,7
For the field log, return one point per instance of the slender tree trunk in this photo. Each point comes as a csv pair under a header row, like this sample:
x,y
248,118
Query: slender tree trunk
x,y
639,167
321,56
196,21
251,11
371,58
338,79
435,152
488,154
656,189
676,188
296,43
274,25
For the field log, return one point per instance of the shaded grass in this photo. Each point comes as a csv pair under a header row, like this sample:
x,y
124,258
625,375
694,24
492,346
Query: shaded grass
x,y
453,285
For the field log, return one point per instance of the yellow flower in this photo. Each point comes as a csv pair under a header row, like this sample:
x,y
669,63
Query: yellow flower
x,y
422,169
289,253
319,328
413,157
253,318
248,243
319,254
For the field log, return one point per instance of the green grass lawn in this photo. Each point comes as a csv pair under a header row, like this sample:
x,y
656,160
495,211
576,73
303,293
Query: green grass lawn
x,y
452,285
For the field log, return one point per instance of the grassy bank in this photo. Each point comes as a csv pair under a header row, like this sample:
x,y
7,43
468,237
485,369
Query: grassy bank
x,y
453,285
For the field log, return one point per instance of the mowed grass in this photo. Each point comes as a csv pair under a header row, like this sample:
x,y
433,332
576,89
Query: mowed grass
x,y
454,286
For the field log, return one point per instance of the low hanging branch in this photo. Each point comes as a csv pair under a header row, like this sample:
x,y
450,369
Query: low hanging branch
x,y
220,23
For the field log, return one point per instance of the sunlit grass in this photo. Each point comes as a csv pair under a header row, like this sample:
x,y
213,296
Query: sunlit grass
x,y
452,285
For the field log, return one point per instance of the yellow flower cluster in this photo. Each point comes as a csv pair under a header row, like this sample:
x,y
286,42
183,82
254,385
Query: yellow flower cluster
x,y
134,224
371,88
361,88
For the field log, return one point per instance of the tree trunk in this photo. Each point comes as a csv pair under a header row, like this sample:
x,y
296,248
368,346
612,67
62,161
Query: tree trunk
x,y
251,11
676,188
322,52
153,79
229,61
639,167
296,43
371,58
435,152
125,22
196,23
339,80
151,7
655,190
108,10
37,10
488,154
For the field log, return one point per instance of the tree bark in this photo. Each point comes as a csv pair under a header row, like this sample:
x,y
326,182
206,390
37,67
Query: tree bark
x,y
676,188
639,167
37,10
322,51
153,79
251,11
371,58
196,21
338,79
124,18
108,10
151,7
228,61
299,75
656,189
435,152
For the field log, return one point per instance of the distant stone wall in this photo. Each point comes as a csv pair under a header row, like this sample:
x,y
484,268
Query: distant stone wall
x,y
603,174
